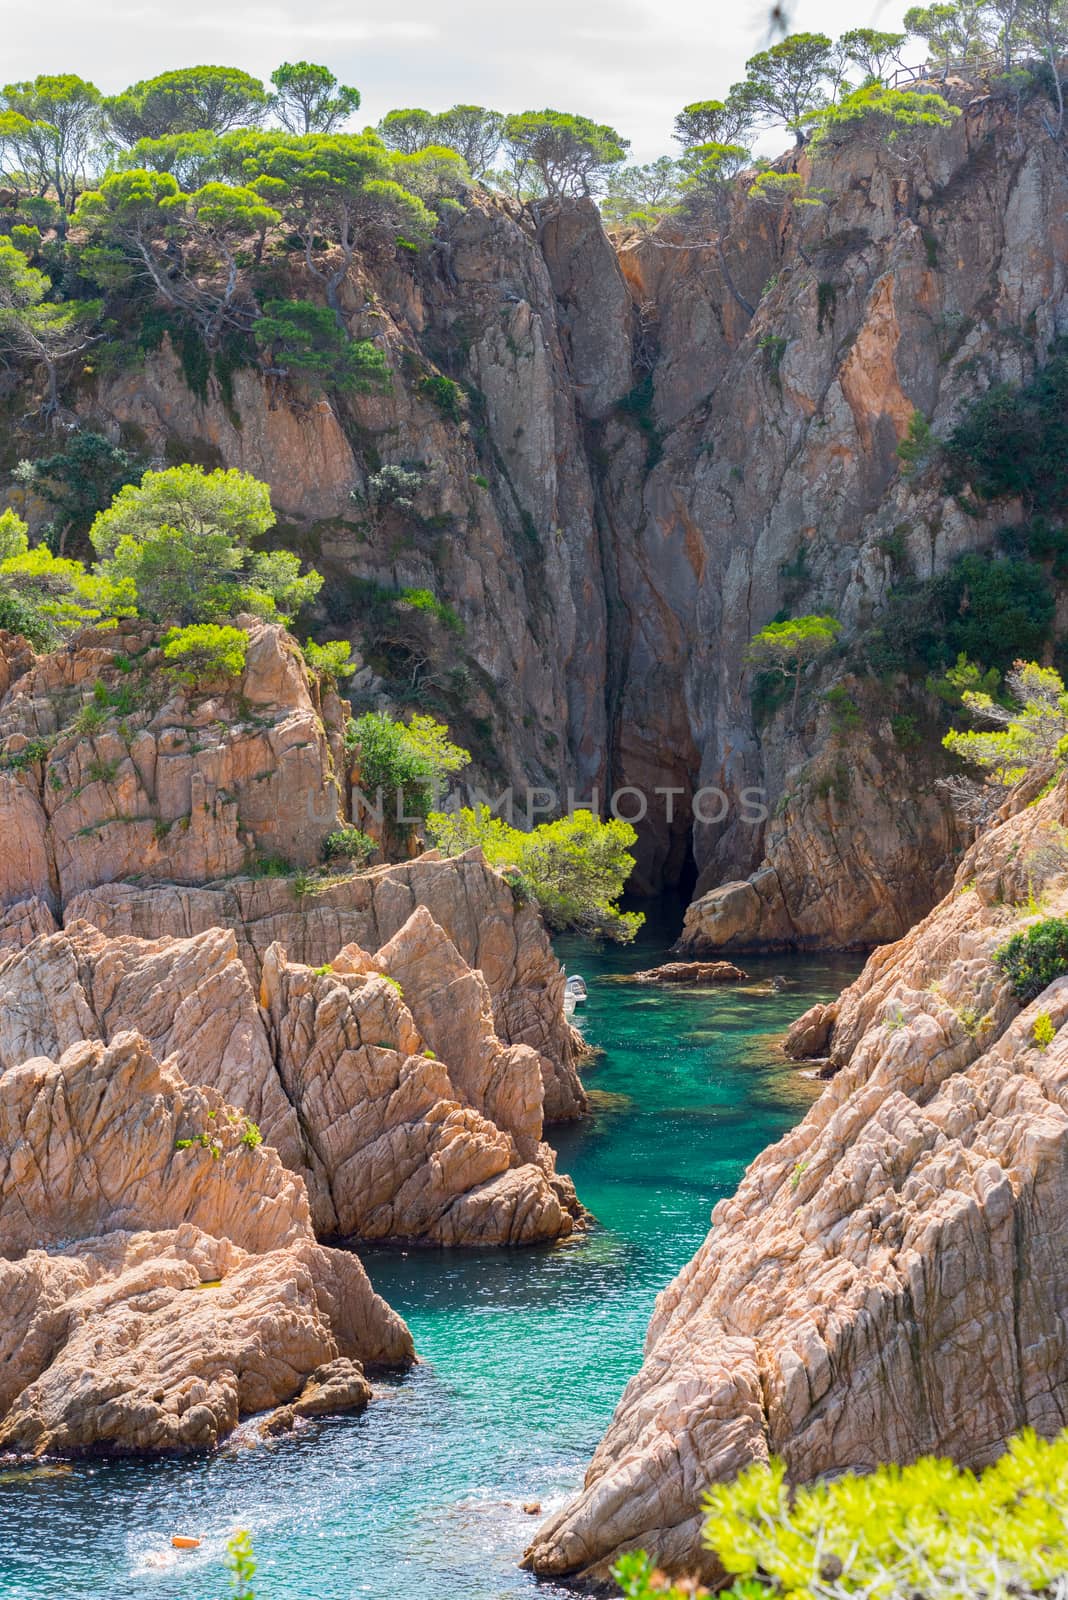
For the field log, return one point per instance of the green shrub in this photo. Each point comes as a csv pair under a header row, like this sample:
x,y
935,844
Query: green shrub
x,y
575,868
992,610
411,759
306,340
929,1531
424,600
1032,958
19,760
1043,1032
445,394
330,661
348,844
250,1134
1014,442
205,653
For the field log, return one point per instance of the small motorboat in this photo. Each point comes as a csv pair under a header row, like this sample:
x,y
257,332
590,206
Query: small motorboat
x,y
575,994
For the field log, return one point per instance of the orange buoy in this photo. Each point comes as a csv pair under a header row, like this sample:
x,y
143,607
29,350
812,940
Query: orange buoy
x,y
181,1541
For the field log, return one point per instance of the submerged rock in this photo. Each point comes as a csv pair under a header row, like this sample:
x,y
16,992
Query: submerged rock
x,y
891,1278
692,972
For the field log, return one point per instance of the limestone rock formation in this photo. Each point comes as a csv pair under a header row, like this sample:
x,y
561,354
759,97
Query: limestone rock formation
x,y
159,1278
889,1279
406,1117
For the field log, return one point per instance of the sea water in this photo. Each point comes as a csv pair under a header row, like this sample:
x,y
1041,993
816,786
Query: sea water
x,y
524,1354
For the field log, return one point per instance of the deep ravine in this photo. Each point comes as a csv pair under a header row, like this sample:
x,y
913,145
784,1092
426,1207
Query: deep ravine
x,y
525,1354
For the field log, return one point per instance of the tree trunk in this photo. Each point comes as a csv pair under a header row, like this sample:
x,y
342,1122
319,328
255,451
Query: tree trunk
x,y
749,310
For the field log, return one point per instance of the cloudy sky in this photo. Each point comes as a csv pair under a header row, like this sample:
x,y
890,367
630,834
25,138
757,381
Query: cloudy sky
x,y
632,63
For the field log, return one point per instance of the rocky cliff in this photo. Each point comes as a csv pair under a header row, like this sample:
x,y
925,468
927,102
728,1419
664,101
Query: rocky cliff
x,y
889,1278
649,450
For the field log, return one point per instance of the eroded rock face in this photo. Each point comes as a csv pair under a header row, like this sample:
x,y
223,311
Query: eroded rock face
x,y
405,1116
890,1278
159,1277
470,902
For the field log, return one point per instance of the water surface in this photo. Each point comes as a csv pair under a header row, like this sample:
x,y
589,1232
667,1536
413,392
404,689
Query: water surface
x,y
524,1354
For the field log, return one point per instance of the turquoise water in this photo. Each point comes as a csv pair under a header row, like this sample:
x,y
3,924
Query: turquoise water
x,y
524,1354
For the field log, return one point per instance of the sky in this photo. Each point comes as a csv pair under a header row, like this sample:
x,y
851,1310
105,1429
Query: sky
x,y
631,63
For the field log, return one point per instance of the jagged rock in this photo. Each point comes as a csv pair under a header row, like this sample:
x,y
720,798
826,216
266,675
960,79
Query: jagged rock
x,y
406,1117
890,1278
692,972
809,1035
408,1149
466,898
159,1276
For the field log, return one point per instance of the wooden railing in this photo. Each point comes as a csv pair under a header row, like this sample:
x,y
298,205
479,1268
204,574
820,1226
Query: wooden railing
x,y
937,72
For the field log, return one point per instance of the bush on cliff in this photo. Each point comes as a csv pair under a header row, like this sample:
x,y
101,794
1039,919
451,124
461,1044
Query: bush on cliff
x,y
1033,958
408,763
181,540
205,653
930,1530
1028,729
576,867
44,596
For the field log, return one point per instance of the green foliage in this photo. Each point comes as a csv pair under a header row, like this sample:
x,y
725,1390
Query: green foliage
x,y
348,844
639,405
1043,1032
1033,958
575,867
48,129
474,132
394,485
879,116
772,347
19,760
329,662
928,1529
52,595
407,131
250,1134
727,121
427,602
989,610
309,99
306,341
445,394
241,1565
845,713
412,759
788,647
642,196
83,477
34,328
180,541
784,84
184,101
1014,442
917,446
872,51
204,653
570,155
1028,733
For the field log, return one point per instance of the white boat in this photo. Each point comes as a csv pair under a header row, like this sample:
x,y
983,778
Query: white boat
x,y
575,994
